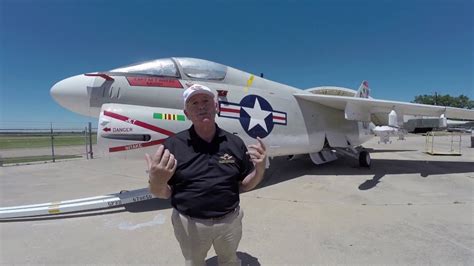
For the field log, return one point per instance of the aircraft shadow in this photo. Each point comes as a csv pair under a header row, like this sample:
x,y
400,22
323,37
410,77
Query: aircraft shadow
x,y
282,170
385,150
148,205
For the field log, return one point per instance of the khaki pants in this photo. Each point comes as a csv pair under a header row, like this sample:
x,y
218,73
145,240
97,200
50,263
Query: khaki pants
x,y
196,236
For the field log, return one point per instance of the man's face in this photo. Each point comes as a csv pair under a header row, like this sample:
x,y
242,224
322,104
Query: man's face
x,y
201,109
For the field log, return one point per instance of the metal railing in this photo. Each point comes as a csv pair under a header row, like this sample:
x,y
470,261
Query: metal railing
x,y
46,144
443,143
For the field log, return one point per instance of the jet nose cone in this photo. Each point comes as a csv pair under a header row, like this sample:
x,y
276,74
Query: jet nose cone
x,y
71,93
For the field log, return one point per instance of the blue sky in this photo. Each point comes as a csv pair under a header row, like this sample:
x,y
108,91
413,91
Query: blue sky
x,y
403,48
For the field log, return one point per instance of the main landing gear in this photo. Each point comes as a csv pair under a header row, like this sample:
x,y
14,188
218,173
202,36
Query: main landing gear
x,y
358,153
364,159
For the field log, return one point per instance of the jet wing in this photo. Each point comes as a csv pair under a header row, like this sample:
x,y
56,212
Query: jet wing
x,y
355,108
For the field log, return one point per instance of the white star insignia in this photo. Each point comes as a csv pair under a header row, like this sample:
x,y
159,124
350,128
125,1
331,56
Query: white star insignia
x,y
257,115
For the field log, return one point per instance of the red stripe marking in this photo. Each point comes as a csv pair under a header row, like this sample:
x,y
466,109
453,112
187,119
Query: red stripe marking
x,y
154,82
229,110
136,145
221,93
138,123
102,75
279,117
116,116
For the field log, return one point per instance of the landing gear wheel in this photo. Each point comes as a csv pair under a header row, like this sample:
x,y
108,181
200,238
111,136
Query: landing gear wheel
x,y
364,159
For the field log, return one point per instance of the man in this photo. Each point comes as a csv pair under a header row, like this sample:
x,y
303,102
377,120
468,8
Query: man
x,y
202,170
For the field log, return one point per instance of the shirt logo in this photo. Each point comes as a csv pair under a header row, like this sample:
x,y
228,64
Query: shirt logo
x,y
226,158
255,114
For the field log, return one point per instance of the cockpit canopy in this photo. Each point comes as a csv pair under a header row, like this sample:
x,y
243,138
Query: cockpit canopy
x,y
161,67
202,69
169,67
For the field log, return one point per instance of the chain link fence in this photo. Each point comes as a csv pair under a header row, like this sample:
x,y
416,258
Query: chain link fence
x,y
18,146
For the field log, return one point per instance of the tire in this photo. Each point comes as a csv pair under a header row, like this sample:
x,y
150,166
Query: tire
x,y
364,159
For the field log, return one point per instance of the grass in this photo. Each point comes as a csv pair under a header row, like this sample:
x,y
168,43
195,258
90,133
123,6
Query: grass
x,y
28,141
25,159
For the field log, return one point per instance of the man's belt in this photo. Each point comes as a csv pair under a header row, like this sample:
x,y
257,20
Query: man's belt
x,y
218,218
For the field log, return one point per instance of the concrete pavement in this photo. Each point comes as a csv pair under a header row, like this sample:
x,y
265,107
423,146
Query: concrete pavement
x,y
409,208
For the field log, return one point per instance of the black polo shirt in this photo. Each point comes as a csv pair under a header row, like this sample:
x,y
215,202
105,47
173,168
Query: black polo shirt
x,y
207,178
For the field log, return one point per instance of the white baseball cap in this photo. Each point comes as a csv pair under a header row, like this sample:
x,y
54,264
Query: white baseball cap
x,y
196,89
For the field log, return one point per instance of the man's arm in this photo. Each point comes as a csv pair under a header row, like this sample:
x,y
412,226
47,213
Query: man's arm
x,y
258,156
253,179
159,190
161,167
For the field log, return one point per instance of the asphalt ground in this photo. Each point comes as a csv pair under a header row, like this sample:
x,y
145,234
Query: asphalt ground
x,y
409,208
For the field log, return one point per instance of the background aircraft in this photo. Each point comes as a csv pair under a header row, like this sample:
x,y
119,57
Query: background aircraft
x,y
140,105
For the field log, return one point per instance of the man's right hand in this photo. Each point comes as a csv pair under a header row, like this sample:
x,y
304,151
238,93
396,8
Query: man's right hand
x,y
161,166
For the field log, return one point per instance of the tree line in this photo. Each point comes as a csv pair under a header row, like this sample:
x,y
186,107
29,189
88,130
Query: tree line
x,y
461,101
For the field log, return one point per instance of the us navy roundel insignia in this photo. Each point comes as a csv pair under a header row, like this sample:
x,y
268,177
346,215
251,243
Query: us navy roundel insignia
x,y
255,114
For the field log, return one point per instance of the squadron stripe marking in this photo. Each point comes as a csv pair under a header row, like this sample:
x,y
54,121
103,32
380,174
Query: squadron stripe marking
x,y
164,116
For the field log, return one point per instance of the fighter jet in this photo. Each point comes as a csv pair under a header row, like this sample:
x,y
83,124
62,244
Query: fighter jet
x,y
140,105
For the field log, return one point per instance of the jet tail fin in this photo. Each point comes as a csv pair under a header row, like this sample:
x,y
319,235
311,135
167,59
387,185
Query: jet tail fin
x,y
364,91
